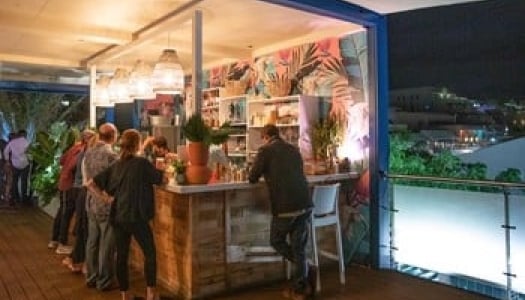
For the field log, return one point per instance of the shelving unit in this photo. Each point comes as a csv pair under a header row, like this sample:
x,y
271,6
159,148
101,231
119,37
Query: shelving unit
x,y
293,115
210,106
281,111
233,110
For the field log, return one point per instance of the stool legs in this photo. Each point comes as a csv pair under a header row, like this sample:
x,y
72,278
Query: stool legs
x,y
316,257
340,254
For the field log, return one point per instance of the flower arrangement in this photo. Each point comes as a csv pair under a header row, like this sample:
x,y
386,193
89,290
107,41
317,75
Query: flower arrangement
x,y
179,166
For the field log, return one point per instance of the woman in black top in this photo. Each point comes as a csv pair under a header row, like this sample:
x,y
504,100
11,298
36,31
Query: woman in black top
x,y
128,183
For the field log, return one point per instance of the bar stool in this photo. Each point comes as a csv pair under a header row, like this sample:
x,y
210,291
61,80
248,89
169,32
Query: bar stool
x,y
325,213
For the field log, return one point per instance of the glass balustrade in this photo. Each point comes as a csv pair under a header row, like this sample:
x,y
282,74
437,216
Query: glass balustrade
x,y
468,234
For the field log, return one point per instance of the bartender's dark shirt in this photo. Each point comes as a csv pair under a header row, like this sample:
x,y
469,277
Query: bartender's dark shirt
x,y
131,183
281,165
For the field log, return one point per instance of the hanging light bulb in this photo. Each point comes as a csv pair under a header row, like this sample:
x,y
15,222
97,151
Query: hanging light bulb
x,y
168,76
140,81
118,87
102,92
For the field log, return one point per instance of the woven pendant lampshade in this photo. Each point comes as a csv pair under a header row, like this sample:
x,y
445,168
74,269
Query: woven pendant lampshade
x,y
119,87
168,76
102,92
140,81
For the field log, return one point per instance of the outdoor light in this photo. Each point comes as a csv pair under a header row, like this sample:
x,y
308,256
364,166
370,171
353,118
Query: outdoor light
x,y
102,92
168,76
118,87
140,81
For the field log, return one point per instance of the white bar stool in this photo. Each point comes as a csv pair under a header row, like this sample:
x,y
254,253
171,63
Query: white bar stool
x,y
325,213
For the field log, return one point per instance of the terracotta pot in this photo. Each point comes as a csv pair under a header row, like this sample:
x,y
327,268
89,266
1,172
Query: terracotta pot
x,y
198,153
197,174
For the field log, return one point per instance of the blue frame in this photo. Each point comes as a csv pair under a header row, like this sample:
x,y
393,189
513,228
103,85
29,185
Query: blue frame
x,y
60,88
379,142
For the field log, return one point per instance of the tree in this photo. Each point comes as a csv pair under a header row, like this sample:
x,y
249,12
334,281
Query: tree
x,y
18,111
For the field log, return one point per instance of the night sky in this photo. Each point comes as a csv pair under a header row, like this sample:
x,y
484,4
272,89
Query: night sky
x,y
476,50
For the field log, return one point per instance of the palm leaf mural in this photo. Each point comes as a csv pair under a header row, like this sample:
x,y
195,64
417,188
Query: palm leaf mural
x,y
304,60
334,72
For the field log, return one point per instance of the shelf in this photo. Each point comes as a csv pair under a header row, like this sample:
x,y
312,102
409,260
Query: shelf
x,y
212,107
291,98
211,89
238,135
238,124
278,125
237,154
231,98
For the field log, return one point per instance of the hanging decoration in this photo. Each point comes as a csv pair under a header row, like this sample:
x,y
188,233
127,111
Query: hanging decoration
x,y
119,87
102,98
168,76
140,81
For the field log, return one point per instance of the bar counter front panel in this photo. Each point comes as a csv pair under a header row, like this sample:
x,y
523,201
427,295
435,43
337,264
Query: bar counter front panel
x,y
214,238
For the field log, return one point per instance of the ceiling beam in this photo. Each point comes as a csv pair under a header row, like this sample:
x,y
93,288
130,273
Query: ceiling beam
x,y
175,19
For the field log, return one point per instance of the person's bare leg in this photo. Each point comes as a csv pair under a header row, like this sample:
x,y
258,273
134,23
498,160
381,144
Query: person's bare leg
x,y
151,293
125,295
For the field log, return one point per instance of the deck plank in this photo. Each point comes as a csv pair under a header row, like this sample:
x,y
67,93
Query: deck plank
x,y
28,270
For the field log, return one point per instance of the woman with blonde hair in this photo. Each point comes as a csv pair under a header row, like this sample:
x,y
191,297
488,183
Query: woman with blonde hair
x,y
128,185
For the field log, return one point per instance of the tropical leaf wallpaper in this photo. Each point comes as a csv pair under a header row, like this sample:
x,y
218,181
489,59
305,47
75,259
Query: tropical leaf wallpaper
x,y
334,68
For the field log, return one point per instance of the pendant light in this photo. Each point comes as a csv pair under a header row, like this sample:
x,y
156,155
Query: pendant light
x,y
140,81
102,92
168,76
119,87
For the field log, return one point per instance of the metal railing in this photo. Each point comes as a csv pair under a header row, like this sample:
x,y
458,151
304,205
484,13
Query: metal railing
x,y
468,186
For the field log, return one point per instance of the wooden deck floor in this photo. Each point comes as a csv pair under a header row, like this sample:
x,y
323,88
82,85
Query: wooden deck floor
x,y
28,270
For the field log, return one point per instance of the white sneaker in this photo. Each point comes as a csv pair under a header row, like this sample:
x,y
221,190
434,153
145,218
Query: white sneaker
x,y
63,249
52,244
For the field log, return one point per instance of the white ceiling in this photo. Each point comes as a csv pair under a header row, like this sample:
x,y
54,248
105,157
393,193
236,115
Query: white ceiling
x,y
52,40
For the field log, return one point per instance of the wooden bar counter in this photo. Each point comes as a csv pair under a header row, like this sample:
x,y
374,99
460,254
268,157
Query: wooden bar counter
x,y
214,238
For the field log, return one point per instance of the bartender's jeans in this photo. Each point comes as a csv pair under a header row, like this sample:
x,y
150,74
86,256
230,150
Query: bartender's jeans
x,y
297,230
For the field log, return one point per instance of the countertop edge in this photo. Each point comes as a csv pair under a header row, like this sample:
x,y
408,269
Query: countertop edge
x,y
225,186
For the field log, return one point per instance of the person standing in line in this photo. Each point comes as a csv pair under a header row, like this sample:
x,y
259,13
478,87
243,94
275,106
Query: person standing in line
x,y
6,174
128,184
68,195
291,206
75,261
100,246
16,150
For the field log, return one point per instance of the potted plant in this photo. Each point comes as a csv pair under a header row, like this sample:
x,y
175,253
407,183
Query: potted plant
x,y
45,153
200,137
325,136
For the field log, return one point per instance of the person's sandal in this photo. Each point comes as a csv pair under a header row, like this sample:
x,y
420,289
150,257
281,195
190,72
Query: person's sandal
x,y
77,269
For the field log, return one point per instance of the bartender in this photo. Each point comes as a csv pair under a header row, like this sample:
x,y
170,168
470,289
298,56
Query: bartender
x,y
157,147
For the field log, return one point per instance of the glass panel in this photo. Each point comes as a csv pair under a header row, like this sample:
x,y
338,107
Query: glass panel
x,y
517,239
448,234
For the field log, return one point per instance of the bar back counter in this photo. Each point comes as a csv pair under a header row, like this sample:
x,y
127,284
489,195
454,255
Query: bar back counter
x,y
214,238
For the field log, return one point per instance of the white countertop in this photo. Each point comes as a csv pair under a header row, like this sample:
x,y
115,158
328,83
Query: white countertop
x,y
224,186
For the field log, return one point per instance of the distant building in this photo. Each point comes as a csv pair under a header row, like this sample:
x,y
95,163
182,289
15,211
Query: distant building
x,y
430,99
444,120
